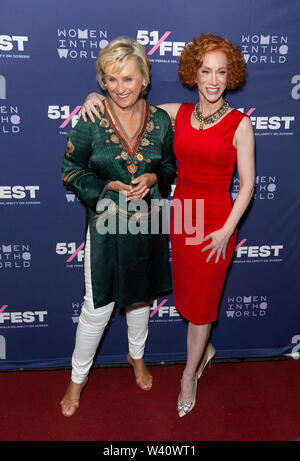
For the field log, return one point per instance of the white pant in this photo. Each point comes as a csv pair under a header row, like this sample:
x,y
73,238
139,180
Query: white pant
x,y
92,323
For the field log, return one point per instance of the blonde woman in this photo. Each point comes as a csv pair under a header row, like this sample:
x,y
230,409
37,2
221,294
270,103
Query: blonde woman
x,y
124,158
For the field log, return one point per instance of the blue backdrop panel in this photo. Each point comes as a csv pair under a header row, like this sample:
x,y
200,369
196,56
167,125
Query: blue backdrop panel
x,y
47,57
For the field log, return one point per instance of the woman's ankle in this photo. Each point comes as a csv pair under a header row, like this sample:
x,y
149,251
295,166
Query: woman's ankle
x,y
188,375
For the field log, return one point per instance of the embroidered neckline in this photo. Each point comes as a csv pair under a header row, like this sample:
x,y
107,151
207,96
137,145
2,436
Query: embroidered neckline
x,y
119,130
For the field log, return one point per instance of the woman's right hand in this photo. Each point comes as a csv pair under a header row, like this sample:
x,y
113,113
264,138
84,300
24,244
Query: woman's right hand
x,y
119,186
89,107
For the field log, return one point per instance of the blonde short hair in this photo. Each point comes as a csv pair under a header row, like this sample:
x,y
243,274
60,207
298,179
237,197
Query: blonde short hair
x,y
118,51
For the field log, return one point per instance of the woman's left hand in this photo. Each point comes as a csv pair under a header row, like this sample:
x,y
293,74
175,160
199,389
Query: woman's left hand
x,y
142,186
219,241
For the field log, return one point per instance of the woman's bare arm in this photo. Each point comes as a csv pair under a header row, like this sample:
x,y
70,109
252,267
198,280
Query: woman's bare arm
x,y
244,143
89,109
171,108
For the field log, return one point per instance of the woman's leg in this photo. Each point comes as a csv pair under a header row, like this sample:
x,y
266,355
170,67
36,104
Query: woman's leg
x,y
197,340
89,332
91,326
88,335
137,323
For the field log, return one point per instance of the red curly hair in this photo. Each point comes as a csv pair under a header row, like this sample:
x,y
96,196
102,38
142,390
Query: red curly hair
x,y
192,58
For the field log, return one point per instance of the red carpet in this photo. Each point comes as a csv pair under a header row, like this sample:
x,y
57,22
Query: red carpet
x,y
249,401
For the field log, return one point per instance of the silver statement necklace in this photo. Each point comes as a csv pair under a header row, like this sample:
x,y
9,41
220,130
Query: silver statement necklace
x,y
211,118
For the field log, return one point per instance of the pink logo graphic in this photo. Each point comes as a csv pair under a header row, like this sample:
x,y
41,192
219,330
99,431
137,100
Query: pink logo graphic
x,y
158,307
240,244
250,111
3,308
65,123
160,41
75,253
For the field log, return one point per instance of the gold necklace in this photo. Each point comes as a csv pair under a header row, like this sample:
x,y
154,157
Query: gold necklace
x,y
211,118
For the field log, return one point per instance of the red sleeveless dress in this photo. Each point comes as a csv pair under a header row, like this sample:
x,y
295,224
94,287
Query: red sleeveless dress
x,y
206,160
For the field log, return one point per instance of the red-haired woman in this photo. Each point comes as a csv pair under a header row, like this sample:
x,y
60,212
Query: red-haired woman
x,y
211,139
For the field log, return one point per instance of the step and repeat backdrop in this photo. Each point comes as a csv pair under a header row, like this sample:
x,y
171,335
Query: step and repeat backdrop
x,y
48,51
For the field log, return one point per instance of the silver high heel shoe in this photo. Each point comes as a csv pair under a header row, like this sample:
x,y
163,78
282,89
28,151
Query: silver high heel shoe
x,y
183,408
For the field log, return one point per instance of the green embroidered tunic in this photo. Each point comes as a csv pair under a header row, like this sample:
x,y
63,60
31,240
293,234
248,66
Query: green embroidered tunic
x,y
129,263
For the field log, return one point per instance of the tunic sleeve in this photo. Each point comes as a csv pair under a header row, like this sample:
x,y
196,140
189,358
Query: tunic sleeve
x,y
167,169
76,175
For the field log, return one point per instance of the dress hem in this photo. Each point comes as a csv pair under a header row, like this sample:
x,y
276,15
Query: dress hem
x,y
189,319
137,303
